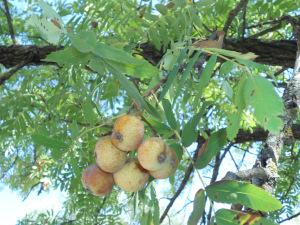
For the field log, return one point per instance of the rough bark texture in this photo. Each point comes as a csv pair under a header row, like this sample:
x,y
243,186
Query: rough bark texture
x,y
291,99
14,55
277,53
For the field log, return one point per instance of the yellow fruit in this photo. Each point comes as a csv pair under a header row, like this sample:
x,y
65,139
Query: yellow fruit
x,y
108,157
132,177
128,133
169,166
97,181
152,153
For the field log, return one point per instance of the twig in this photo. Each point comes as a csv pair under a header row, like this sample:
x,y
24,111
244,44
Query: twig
x,y
233,13
9,22
182,185
281,19
244,21
236,165
8,74
290,217
155,88
218,160
271,29
30,190
11,165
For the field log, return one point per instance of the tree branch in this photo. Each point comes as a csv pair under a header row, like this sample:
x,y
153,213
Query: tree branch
x,y
8,74
182,185
9,22
290,217
233,13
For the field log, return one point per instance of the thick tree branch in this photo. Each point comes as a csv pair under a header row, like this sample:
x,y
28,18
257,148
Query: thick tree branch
x,y
9,22
13,55
277,53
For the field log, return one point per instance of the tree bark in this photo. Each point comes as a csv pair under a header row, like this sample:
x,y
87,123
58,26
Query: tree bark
x,y
276,53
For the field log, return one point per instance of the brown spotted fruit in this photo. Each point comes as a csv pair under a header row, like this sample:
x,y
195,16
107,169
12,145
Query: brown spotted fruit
x,y
132,177
168,167
97,181
108,157
152,153
128,133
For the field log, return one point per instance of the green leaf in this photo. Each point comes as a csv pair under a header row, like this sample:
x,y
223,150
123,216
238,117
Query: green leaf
x,y
226,67
75,131
130,89
215,143
169,114
232,217
124,62
68,56
47,141
237,192
198,208
189,131
161,8
227,88
89,112
49,31
233,119
172,74
238,97
268,107
155,206
206,75
185,74
85,41
97,65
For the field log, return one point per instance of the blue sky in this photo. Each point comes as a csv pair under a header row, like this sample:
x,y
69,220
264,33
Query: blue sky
x,y
13,208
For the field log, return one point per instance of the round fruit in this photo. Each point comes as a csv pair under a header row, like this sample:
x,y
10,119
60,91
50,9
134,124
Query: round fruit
x,y
108,157
152,153
132,177
169,166
97,181
128,133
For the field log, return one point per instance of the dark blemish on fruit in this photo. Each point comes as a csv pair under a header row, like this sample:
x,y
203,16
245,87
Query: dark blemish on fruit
x,y
161,157
118,136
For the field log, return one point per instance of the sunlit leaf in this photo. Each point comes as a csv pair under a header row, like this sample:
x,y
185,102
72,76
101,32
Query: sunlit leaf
x,y
215,143
237,192
231,217
198,208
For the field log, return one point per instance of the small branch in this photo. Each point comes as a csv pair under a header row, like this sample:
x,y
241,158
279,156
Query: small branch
x,y
6,75
281,19
244,21
11,165
182,185
155,88
30,190
290,217
9,22
233,13
236,165
266,31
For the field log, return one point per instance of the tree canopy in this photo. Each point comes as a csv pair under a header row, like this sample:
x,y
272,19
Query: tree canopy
x,y
218,81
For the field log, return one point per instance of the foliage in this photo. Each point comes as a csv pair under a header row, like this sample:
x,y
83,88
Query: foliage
x,y
52,115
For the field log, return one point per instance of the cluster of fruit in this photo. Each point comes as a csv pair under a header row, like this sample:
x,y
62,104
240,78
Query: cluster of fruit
x,y
112,166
